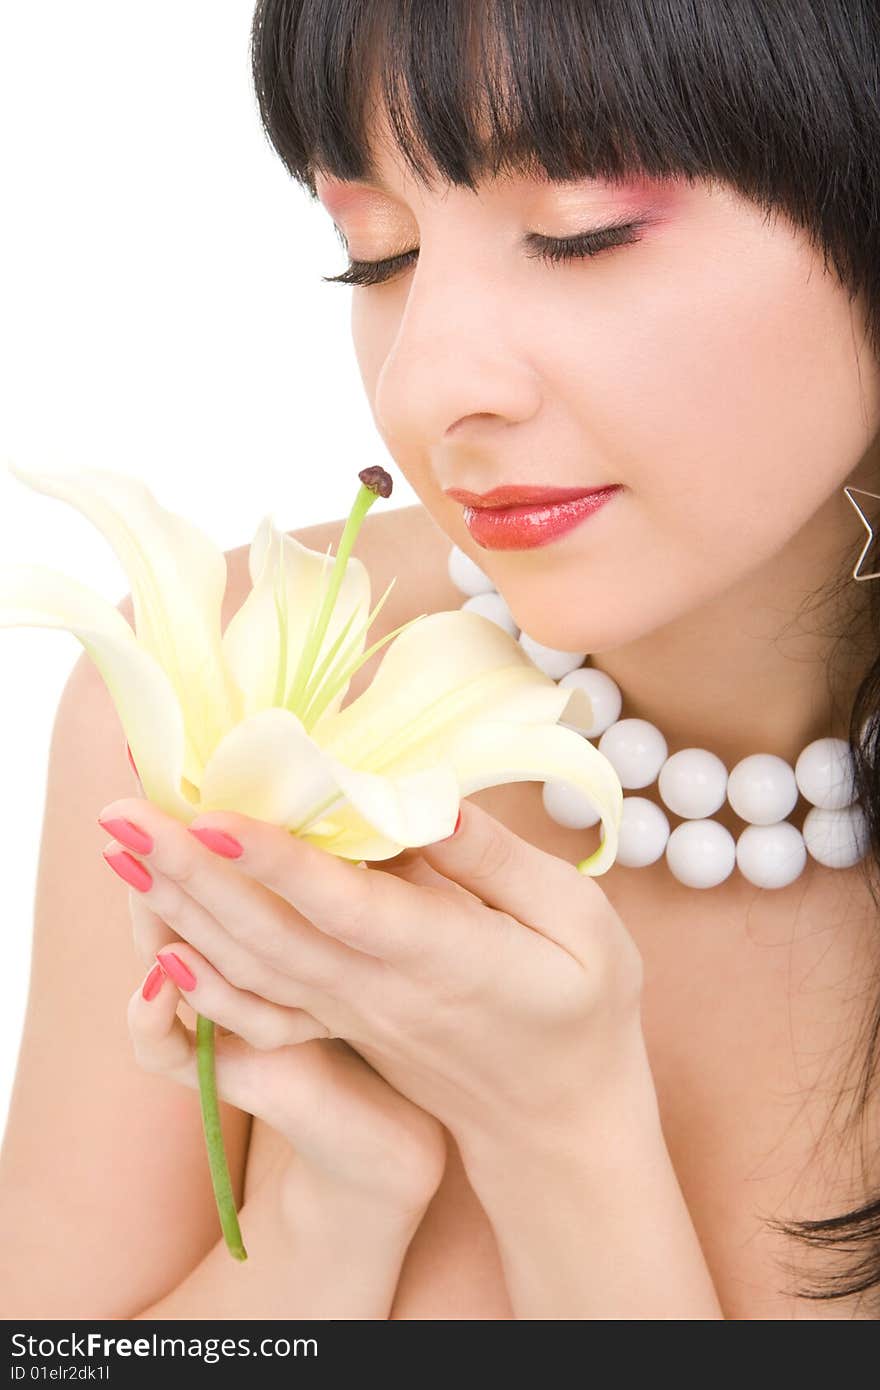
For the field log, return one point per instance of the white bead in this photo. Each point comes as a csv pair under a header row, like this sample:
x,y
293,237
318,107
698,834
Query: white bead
x,y
693,783
547,659
762,789
644,832
493,607
466,575
636,750
604,695
837,839
568,805
771,856
701,853
824,773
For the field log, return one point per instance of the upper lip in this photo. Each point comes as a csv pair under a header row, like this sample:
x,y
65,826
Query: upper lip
x,y
509,496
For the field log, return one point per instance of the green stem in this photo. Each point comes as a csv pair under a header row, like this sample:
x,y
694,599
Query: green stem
x,y
309,654
214,1138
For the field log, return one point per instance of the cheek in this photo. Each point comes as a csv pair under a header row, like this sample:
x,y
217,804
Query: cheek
x,y
367,339
725,379
375,325
736,385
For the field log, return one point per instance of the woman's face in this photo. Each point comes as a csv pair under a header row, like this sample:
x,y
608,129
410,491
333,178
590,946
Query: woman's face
x,y
712,368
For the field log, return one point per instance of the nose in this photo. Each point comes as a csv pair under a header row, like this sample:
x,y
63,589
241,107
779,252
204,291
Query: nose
x,y
457,367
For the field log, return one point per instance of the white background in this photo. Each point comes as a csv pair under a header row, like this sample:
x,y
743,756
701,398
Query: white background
x,y
161,313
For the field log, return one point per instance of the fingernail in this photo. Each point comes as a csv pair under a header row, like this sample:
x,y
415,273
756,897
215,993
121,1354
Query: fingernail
x,y
218,841
128,834
174,966
129,869
153,982
454,829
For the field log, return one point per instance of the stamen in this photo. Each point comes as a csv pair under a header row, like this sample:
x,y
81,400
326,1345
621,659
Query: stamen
x,y
375,482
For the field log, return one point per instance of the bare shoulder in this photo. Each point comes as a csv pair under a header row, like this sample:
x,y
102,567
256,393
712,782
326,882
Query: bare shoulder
x,y
94,1146
404,543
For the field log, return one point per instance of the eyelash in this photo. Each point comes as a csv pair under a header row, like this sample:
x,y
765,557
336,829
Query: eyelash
x,y
552,249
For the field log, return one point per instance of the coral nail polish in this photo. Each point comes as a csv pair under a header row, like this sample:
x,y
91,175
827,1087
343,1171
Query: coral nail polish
x,y
153,983
218,841
129,869
174,966
128,834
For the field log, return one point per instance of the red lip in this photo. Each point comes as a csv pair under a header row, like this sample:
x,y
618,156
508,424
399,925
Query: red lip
x,y
505,496
531,524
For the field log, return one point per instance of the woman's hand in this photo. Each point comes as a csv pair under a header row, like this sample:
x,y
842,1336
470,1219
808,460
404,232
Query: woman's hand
x,y
486,980
361,1142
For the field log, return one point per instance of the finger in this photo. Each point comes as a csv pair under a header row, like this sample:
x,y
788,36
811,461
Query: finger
x,y
373,915
167,904
267,926
149,931
508,873
161,1042
284,1087
412,866
261,1023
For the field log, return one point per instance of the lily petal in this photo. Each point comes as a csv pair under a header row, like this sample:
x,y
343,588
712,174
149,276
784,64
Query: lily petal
x,y
386,814
178,579
448,669
37,596
270,768
284,571
578,712
492,753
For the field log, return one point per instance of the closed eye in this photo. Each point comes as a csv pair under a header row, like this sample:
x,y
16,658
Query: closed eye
x,y
553,249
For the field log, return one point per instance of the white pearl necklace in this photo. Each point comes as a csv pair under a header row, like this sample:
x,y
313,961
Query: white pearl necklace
x,y
762,789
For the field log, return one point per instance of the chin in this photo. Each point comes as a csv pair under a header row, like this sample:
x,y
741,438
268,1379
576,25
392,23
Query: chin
x,y
594,638
541,628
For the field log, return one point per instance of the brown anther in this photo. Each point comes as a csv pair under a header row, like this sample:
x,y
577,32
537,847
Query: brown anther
x,y
377,480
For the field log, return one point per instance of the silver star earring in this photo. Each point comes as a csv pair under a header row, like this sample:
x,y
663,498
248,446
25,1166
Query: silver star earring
x,y
869,528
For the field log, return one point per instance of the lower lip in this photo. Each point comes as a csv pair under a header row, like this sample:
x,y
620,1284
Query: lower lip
x,y
523,528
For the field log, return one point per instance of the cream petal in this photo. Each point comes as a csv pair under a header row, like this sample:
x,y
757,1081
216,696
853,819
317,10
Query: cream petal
x,y
358,845
283,570
578,710
447,669
178,580
406,809
268,767
424,804
36,596
491,754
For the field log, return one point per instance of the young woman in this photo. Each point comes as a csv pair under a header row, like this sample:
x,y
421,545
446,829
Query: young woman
x,y
594,245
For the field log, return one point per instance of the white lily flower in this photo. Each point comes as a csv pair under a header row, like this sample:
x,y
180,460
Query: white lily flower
x,y
249,719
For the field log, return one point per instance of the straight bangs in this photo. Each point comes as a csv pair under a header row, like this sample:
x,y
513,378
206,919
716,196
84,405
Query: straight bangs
x,y
773,97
